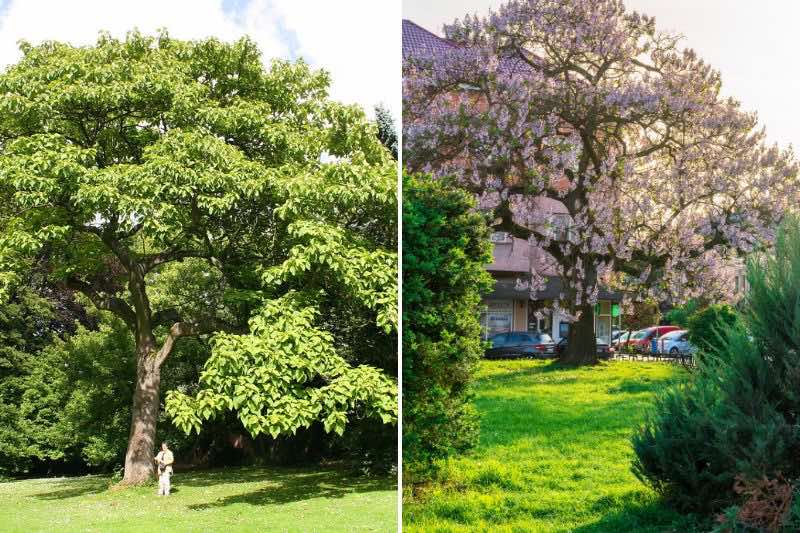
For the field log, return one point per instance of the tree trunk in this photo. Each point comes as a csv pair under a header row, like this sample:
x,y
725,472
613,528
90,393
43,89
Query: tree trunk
x,y
146,402
144,415
581,340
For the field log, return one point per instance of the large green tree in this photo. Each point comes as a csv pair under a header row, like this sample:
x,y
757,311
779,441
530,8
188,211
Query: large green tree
x,y
120,159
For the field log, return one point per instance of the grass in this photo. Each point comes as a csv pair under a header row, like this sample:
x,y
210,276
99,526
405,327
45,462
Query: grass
x,y
240,499
554,454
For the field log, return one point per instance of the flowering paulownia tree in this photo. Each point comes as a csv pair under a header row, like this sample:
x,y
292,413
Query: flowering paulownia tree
x,y
119,160
584,103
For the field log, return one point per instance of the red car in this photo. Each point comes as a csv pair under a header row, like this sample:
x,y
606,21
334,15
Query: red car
x,y
640,340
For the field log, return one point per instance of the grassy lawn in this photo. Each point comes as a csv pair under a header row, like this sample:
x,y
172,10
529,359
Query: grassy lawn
x,y
554,454
241,499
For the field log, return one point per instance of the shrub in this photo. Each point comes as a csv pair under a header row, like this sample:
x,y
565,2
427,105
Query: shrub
x,y
445,248
738,416
679,315
706,324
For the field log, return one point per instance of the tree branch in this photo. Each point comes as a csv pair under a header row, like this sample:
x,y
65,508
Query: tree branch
x,y
104,301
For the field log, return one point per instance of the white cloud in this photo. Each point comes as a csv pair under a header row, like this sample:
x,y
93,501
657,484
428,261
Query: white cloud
x,y
357,41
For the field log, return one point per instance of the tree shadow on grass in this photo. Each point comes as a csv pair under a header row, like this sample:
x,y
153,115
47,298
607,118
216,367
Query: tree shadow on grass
x,y
75,487
239,474
643,385
633,513
288,487
557,373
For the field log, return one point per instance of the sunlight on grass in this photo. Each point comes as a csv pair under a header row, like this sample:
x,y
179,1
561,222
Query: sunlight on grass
x,y
554,454
239,499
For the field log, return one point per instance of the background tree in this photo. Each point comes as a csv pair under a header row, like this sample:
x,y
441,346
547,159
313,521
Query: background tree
x,y
122,158
641,314
586,104
25,330
387,131
445,250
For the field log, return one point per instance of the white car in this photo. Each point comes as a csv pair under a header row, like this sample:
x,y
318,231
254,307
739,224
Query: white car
x,y
676,343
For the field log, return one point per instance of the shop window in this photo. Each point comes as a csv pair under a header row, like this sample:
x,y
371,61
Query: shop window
x,y
498,317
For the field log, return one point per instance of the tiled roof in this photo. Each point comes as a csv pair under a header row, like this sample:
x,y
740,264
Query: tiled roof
x,y
419,41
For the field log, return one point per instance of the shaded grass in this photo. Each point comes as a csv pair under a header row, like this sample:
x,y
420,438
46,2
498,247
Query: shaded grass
x,y
554,454
240,499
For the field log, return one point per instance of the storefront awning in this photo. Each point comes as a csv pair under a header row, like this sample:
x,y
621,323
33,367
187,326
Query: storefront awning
x,y
506,289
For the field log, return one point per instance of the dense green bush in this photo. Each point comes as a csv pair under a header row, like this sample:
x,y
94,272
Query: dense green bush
x,y
738,416
679,315
445,250
73,409
706,325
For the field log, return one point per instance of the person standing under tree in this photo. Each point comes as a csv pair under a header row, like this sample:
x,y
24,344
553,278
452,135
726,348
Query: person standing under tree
x,y
164,460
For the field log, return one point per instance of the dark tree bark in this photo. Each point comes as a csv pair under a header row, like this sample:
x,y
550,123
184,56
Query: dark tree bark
x,y
581,341
581,346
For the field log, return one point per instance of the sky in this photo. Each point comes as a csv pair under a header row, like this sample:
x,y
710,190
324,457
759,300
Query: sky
x,y
754,44
357,41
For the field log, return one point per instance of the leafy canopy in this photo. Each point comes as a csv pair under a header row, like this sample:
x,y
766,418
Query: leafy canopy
x,y
153,149
284,374
121,159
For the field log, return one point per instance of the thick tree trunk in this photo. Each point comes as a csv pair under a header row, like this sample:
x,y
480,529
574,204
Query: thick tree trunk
x,y
144,415
581,341
146,402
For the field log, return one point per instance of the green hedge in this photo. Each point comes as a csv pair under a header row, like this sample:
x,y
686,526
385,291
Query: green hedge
x,y
445,249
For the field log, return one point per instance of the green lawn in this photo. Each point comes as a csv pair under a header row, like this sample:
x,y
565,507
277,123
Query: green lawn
x,y
554,454
241,499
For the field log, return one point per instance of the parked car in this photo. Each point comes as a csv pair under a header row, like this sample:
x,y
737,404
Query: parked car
x,y
603,349
676,343
521,344
640,341
619,335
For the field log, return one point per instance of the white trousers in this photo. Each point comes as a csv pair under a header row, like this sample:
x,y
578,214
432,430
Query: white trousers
x,y
163,484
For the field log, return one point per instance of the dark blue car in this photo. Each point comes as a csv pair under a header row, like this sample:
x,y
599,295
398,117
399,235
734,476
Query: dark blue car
x,y
521,344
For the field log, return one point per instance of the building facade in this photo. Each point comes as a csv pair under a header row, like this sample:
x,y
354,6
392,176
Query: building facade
x,y
511,306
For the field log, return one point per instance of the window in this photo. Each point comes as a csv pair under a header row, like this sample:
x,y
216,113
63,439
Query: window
x,y
498,317
740,283
602,328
